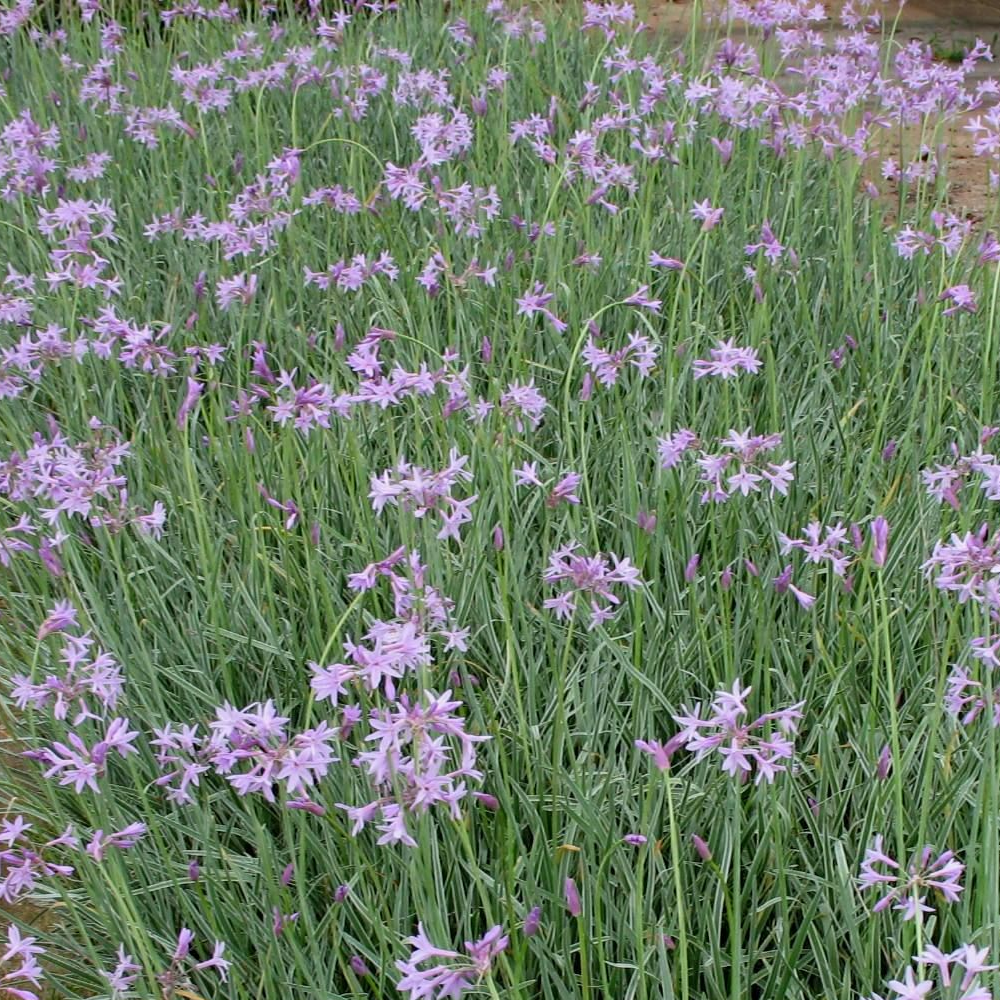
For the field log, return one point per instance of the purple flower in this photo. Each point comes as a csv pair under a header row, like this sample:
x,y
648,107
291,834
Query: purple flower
x,y
25,864
523,403
21,967
305,407
646,520
419,490
194,391
640,353
726,731
491,802
527,475
591,576
305,804
537,301
460,971
704,852
965,698
216,961
351,276
906,890
240,288
961,297
605,15
724,147
395,649
420,758
773,250
181,962
122,840
672,448
880,540
660,752
884,763
968,958
667,263
911,989
821,544
79,765
805,600
61,618
256,736
641,299
288,507
123,977
563,491
572,894
706,214
726,360
965,565
738,468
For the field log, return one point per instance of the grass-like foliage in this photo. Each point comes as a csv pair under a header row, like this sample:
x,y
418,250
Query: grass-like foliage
x,y
494,503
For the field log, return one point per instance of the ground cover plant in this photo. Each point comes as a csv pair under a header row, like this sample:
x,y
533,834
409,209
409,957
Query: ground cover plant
x,y
495,503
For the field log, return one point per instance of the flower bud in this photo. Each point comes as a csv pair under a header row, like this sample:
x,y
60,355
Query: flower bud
x,y
572,894
704,852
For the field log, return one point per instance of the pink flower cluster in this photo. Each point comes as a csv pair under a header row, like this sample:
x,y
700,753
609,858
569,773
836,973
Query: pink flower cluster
x,y
80,765
419,490
451,978
562,491
589,578
966,698
738,468
423,754
970,960
23,865
412,765
821,544
21,974
390,650
726,360
351,276
944,480
606,16
906,890
178,974
91,679
255,736
640,353
746,747
77,224
61,481
967,565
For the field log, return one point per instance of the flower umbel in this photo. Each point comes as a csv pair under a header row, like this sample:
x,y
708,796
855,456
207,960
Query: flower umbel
x,y
451,978
747,747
